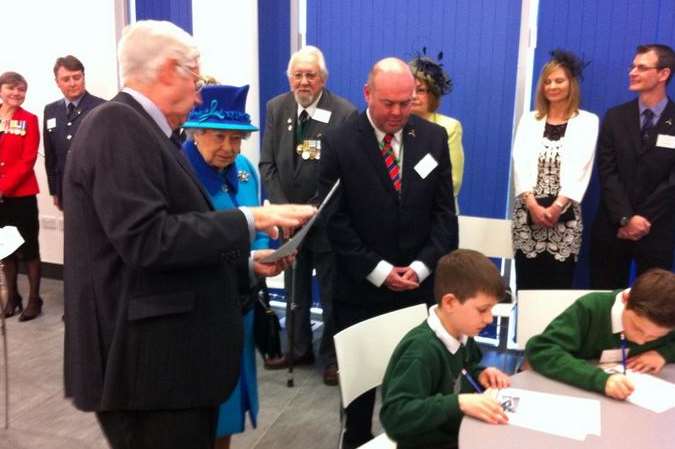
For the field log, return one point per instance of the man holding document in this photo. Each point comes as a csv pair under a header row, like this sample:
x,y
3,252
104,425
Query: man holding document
x,y
152,273
393,215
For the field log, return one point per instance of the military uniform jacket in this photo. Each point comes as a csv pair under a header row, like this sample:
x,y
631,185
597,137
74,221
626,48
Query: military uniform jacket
x,y
58,132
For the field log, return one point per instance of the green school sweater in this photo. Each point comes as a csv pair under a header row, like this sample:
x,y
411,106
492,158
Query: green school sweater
x,y
419,407
581,333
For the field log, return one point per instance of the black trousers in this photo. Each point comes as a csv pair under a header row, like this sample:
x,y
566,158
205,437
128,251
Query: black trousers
x,y
306,260
359,414
160,429
543,272
611,259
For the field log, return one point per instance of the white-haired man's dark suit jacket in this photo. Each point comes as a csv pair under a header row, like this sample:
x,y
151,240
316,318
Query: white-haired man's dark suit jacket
x,y
151,272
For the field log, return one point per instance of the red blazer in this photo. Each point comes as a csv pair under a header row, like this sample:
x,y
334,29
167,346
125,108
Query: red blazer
x,y
17,158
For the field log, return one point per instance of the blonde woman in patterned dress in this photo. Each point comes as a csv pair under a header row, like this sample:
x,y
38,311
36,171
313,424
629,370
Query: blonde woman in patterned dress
x,y
552,162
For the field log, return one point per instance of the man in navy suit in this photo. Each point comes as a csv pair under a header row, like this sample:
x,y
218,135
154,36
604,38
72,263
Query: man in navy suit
x,y
636,164
393,216
62,118
152,274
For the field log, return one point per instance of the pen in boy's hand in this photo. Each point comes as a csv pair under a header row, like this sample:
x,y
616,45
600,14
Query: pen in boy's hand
x,y
623,352
471,380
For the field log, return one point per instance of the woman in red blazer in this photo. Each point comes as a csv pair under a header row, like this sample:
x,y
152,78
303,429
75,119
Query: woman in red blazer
x,y
19,140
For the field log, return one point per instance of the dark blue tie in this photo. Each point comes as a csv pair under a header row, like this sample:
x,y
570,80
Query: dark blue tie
x,y
648,124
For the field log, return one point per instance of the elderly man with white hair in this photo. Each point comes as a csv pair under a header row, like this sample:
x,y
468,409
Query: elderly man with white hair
x,y
289,165
152,274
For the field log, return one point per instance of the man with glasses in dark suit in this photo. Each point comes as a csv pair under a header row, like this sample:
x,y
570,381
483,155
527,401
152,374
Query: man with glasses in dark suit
x,y
636,164
152,273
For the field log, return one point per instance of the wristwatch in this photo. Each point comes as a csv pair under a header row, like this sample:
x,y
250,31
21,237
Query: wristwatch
x,y
624,221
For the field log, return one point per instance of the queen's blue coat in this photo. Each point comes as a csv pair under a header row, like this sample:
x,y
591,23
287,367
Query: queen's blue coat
x,y
236,185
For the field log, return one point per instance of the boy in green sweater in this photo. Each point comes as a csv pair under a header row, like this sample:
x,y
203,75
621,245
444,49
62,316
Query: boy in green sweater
x,y
424,394
593,329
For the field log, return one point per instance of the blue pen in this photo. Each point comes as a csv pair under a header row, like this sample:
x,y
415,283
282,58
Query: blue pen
x,y
623,352
470,379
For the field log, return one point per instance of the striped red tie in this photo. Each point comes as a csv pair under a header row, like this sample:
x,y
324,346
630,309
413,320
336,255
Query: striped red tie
x,y
391,162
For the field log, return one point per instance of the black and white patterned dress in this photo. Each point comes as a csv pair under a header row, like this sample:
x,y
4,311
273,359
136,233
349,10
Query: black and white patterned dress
x,y
564,239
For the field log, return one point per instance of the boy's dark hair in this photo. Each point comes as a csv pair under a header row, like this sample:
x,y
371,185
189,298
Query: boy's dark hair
x,y
70,62
665,55
464,273
653,297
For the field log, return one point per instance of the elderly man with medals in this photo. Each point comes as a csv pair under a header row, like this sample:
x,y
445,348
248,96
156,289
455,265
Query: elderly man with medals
x,y
289,166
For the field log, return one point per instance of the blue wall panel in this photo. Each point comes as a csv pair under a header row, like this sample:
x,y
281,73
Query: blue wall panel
x,y
177,11
480,44
274,25
606,33
274,49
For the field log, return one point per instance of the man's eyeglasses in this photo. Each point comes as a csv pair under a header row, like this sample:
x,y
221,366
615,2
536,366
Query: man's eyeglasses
x,y
200,81
642,68
309,76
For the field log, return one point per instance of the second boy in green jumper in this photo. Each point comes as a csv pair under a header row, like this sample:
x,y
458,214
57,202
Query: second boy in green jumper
x,y
644,315
424,395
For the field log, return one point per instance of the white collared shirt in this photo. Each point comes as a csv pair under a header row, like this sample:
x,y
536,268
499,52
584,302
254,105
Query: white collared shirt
x,y
311,109
450,342
396,142
617,312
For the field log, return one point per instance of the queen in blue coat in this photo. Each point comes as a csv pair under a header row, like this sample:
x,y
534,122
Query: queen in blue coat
x,y
215,131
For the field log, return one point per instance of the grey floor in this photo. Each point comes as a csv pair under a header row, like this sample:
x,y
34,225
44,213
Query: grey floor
x,y
306,416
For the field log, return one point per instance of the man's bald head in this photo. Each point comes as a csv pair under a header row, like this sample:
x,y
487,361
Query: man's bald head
x,y
390,67
389,93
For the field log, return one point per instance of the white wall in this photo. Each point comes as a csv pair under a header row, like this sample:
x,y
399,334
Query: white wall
x,y
227,36
226,32
84,28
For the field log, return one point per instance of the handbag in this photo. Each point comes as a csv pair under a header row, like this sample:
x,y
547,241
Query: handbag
x,y
266,327
567,213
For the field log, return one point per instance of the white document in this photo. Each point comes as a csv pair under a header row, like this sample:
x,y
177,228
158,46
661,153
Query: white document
x,y
294,243
321,115
10,240
665,141
610,356
426,166
561,415
650,392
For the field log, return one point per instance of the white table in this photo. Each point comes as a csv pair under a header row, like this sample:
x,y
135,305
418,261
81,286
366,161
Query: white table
x,y
624,425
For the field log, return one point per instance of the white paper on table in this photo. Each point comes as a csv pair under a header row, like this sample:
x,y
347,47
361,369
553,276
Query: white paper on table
x,y
650,392
561,415
294,243
10,240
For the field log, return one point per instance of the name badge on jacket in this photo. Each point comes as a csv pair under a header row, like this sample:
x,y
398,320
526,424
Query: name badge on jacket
x,y
665,141
51,123
321,115
425,166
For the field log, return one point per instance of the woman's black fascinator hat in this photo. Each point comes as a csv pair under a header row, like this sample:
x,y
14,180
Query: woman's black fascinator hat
x,y
432,71
570,61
